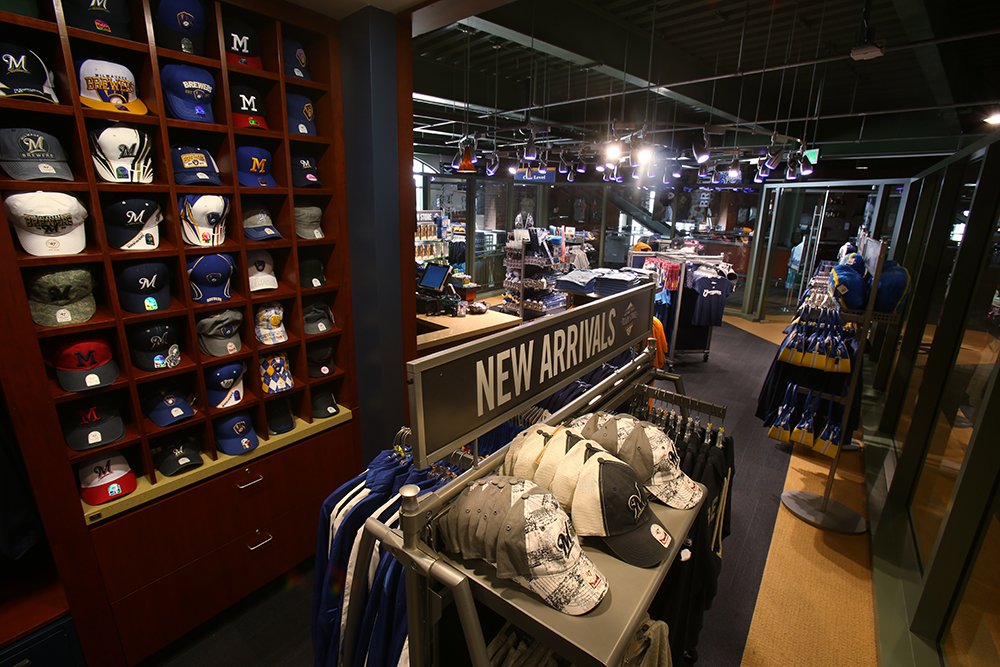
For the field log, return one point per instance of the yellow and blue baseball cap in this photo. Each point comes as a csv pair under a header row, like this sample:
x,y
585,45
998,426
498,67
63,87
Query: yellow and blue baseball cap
x,y
109,87
234,435
253,167
301,115
295,59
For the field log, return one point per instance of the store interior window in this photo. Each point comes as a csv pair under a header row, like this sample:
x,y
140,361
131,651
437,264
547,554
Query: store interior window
x,y
491,234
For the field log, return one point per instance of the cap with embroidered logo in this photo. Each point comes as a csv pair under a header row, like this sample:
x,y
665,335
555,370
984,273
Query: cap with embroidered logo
x,y
106,17
168,406
319,359
28,155
301,115
653,455
260,265
275,373
90,425
155,347
58,297
242,45
224,385
248,107
194,166
257,224
122,154
47,223
203,219
324,405
105,478
211,278
133,224
176,457
188,92
84,364
26,75
311,273
317,318
308,222
253,167
234,435
305,173
180,25
268,325
109,87
295,59
219,333
144,287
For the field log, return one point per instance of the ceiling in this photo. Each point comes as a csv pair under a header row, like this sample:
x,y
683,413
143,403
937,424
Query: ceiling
x,y
577,72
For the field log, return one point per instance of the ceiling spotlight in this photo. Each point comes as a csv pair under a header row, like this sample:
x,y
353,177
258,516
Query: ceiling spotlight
x,y
607,175
600,167
700,148
993,119
581,167
716,176
666,177
564,166
530,153
734,168
512,168
542,167
792,171
773,158
704,170
675,169
492,164
758,177
651,169
805,166
456,161
570,175
466,166
475,149
636,173
613,152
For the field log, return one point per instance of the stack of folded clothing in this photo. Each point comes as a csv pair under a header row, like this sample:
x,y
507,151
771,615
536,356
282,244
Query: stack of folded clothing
x,y
580,281
616,282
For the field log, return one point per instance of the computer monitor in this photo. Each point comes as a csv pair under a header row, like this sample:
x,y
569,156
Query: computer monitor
x,y
435,278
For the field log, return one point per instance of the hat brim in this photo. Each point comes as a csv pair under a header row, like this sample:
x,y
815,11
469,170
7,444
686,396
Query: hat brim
x,y
125,239
144,174
91,378
47,315
640,546
573,592
190,177
97,495
169,38
290,70
31,170
309,125
84,20
301,180
246,61
161,414
172,465
136,303
321,409
313,328
261,233
256,181
24,92
306,280
680,493
211,294
111,429
263,282
135,106
276,335
249,120
225,398
219,347
308,232
182,109
41,245
235,447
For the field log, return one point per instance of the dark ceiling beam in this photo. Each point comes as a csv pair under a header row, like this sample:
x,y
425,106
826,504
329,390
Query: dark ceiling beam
x,y
439,13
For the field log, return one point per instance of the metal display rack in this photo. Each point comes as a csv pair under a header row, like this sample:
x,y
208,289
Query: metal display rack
x,y
518,260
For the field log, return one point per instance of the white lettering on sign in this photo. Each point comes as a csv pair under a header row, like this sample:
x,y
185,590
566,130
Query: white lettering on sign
x,y
564,349
491,376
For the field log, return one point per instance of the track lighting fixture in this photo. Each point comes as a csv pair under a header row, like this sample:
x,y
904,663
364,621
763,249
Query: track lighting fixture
x,y
675,169
636,173
492,164
758,178
563,165
475,149
704,170
530,153
607,175
512,168
805,166
570,175
581,166
734,168
466,166
716,176
773,158
633,156
700,148
600,166
613,152
645,154
456,161
792,171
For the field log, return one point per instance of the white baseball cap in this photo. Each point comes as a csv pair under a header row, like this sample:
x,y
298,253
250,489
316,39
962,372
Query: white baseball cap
x,y
47,223
555,451
203,219
260,264
653,455
514,450
122,154
105,478
564,482
109,86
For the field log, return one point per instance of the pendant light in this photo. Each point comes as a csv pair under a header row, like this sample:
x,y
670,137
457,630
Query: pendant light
x,y
734,168
700,148
805,166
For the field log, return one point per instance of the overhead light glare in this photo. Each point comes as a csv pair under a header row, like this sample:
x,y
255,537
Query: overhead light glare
x,y
512,168
734,168
613,152
645,154
994,119
700,149
600,167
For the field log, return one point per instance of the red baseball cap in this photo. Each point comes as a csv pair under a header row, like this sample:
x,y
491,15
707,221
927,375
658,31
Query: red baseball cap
x,y
105,478
84,364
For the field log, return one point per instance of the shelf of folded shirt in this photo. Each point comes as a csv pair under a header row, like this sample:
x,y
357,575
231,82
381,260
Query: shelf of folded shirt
x,y
186,364
282,291
146,491
106,40
153,431
130,438
101,319
174,309
601,636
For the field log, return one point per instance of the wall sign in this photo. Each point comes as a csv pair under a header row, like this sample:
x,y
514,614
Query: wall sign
x,y
535,177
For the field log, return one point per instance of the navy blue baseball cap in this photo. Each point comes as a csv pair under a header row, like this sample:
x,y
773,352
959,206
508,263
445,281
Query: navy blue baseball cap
x,y
107,17
194,166
180,25
224,385
300,115
253,167
188,92
295,59
305,173
210,277
234,435
168,407
133,224
144,287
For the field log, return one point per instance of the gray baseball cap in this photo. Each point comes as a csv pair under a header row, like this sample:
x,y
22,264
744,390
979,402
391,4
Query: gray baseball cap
x,y
219,333
61,297
28,155
307,222
258,225
317,318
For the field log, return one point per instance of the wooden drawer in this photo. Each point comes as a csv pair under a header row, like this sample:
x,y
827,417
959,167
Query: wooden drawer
x,y
153,616
161,537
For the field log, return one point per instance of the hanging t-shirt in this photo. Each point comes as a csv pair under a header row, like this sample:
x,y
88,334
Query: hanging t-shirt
x,y
711,302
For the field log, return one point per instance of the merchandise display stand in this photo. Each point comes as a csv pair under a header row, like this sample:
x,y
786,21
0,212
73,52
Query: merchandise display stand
x,y
517,259
820,510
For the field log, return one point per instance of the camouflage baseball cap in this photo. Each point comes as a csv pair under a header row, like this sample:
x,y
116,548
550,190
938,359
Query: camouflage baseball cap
x,y
61,297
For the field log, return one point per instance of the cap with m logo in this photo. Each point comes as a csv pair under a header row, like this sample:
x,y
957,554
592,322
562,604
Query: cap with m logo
x,y
144,287
90,425
253,167
105,478
28,155
242,45
107,17
23,74
84,364
248,107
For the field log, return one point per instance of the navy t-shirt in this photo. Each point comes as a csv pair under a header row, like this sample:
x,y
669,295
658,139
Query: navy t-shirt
x,y
712,292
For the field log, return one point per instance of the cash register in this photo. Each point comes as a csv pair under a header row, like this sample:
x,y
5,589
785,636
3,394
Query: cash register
x,y
432,284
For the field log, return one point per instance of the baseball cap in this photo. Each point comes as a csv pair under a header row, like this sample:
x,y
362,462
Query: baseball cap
x,y
179,25
61,296
307,222
653,456
91,425
84,364
105,478
555,451
144,287
317,317
295,59
257,224
610,503
219,333
247,105
324,405
107,17
194,166
47,223
242,45
168,406
122,154
253,167
300,115
133,224
28,155
564,482
279,416
234,435
305,173
203,219
268,326
224,385
517,442
530,453
210,278
177,457
108,86
538,549
275,373
26,75
155,347
260,264
319,358
311,273
188,92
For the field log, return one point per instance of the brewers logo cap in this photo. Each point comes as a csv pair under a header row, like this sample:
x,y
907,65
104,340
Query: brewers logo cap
x,y
242,45
107,17
180,25
275,373
108,86
234,435
257,224
300,115
122,154
219,333
318,318
253,167
305,173
308,222
84,364
268,325
188,92
89,425
168,407
28,155
62,296
210,277
47,223
155,347
248,107
106,477
194,166
133,224
324,405
224,385
23,74
311,273
203,219
295,59
177,457
144,287
260,265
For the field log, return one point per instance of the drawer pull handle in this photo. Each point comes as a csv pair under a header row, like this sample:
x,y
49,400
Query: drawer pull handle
x,y
260,478
254,548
